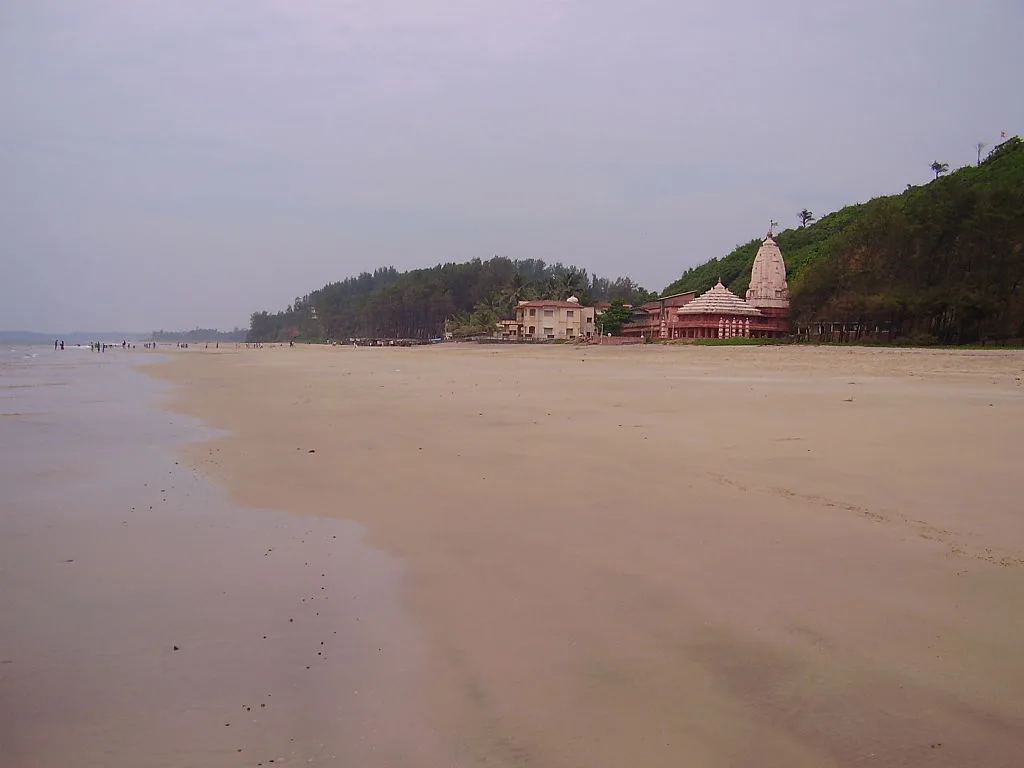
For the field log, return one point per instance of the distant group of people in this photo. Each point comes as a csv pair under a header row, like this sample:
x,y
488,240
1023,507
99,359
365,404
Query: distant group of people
x,y
99,346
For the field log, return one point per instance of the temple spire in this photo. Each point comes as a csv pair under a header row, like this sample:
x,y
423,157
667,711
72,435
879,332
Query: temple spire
x,y
768,288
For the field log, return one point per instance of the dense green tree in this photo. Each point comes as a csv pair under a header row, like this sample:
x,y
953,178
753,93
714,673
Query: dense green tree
x,y
517,290
613,318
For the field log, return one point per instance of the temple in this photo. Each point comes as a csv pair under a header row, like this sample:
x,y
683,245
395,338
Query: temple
x,y
768,291
719,313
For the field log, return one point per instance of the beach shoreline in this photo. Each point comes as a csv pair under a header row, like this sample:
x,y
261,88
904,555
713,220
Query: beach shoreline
x,y
770,556
146,620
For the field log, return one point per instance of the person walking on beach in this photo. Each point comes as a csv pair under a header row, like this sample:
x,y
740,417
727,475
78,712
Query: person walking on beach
x,y
62,345
55,345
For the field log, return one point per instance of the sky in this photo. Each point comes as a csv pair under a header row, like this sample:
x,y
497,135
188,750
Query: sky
x,y
182,164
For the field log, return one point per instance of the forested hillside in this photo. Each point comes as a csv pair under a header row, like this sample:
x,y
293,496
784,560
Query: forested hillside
x,y
942,262
466,298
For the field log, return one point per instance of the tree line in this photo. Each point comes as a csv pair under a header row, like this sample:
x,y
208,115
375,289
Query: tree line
x,y
200,334
463,298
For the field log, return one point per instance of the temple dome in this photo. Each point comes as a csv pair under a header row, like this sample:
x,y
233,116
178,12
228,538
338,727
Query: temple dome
x,y
719,301
768,287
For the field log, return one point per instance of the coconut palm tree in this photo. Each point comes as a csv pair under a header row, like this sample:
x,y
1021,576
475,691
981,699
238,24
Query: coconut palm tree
x,y
939,168
572,282
518,289
806,217
490,306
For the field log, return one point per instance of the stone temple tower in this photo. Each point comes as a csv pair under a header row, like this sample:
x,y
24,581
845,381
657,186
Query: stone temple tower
x,y
768,290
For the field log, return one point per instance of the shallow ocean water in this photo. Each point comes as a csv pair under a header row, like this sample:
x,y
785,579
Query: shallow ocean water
x,y
145,620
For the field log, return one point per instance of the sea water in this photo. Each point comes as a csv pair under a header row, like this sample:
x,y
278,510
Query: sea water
x,y
146,621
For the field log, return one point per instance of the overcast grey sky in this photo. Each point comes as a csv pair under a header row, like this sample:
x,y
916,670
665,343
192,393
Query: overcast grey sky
x,y
172,163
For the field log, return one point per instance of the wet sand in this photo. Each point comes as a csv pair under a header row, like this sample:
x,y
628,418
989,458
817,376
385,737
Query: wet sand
x,y
666,556
147,621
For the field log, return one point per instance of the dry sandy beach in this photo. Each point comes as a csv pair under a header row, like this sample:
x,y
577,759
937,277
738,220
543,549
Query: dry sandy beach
x,y
666,556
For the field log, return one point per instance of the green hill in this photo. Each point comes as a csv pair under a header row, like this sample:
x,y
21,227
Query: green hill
x,y
941,263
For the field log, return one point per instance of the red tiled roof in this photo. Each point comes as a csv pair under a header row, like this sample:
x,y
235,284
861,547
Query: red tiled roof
x,y
677,295
718,301
553,303
668,301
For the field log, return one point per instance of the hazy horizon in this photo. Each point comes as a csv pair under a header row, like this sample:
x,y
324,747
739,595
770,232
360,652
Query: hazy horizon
x,y
181,165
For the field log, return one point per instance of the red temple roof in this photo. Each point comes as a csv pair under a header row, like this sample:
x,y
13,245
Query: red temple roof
x,y
719,301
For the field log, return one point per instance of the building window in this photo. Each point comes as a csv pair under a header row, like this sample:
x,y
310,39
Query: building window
x,y
549,333
590,320
533,329
549,313
533,313
569,313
